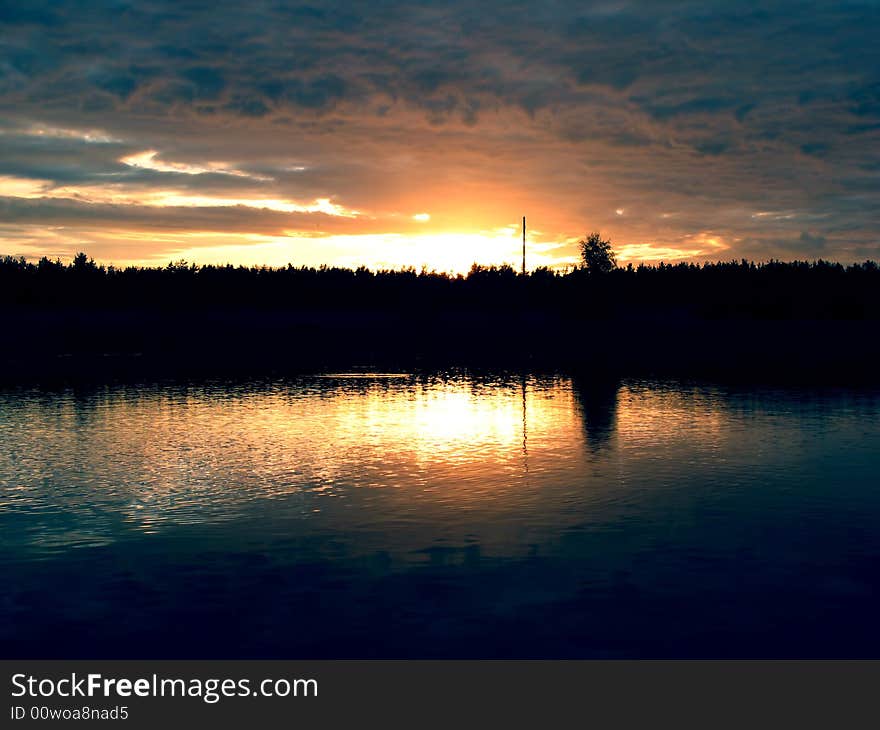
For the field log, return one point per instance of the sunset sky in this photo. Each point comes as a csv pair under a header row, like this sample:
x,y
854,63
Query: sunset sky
x,y
394,134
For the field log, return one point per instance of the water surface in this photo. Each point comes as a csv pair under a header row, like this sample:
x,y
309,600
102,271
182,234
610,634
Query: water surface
x,y
445,515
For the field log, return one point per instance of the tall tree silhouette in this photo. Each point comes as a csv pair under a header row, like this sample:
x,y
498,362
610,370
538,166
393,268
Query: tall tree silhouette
x,y
596,253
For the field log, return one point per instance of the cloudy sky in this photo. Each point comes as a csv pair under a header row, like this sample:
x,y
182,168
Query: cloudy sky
x,y
393,133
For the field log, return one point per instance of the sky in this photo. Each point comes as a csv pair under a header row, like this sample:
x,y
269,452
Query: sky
x,y
392,134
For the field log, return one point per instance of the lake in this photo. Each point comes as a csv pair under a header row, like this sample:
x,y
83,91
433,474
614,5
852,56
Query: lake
x,y
432,515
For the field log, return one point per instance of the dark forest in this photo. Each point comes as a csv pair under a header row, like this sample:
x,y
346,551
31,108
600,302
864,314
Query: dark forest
x,y
735,318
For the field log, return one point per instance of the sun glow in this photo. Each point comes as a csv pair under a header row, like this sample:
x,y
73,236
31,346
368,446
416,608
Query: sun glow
x,y
450,252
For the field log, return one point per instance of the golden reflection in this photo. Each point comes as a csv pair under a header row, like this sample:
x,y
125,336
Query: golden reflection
x,y
390,446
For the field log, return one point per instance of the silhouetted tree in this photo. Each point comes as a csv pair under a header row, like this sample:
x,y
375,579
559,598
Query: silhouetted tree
x,y
597,254
82,263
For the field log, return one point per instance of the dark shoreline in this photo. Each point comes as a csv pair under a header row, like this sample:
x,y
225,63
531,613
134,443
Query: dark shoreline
x,y
785,322
100,344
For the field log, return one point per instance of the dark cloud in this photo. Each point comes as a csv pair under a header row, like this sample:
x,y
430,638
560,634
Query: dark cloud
x,y
805,246
755,121
673,59
59,160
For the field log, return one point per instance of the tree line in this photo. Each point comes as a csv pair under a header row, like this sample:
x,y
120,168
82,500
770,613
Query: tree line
x,y
596,288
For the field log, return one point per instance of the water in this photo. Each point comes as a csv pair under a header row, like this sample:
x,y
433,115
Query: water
x,y
450,515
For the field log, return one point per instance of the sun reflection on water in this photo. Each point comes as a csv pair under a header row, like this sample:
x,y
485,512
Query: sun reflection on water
x,y
359,451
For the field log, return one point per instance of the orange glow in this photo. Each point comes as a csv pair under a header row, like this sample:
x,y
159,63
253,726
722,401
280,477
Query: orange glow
x,y
452,252
701,244
461,229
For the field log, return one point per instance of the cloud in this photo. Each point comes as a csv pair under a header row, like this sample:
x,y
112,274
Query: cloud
x,y
697,118
805,246
199,215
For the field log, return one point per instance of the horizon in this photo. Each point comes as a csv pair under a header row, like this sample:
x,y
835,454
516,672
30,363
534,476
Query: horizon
x,y
418,135
560,270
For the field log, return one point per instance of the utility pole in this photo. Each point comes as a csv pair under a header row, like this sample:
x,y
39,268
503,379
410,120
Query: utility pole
x,y
524,247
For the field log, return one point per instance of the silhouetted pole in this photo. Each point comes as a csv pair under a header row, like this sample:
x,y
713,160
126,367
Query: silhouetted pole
x,y
524,246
